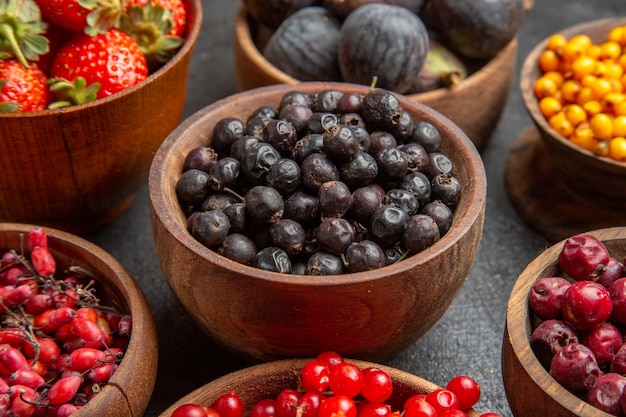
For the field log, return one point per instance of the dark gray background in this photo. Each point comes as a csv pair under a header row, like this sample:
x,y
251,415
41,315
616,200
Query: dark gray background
x,y
467,340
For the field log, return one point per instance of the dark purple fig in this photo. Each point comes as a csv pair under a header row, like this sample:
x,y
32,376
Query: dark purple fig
x,y
442,69
385,42
272,12
305,45
476,29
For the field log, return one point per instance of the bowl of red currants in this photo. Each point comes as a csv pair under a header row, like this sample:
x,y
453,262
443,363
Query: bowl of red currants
x,y
77,335
81,135
328,385
563,343
572,87
290,220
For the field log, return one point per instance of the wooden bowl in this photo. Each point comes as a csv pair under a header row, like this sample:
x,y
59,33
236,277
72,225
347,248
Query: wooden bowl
x,y
78,168
489,83
559,188
262,315
267,380
128,392
526,381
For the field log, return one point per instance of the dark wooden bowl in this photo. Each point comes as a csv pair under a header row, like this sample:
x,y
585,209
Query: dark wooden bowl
x,y
559,188
78,168
128,392
267,380
526,382
489,84
263,315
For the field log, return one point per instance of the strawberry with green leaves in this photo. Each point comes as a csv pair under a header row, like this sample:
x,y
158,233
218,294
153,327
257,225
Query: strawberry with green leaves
x,y
111,59
22,89
21,31
89,16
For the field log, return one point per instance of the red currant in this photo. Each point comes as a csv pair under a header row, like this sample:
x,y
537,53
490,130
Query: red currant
x,y
442,399
264,408
287,403
346,379
330,358
315,376
228,405
338,406
377,385
190,410
466,389
374,410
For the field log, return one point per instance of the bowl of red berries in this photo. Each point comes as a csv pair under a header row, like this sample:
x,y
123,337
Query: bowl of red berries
x,y
563,344
86,97
289,220
328,385
572,87
311,40
77,335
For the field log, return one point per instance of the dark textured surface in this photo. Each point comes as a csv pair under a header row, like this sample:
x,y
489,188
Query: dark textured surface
x,y
467,340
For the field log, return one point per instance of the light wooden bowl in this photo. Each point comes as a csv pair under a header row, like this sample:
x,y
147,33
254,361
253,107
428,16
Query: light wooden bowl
x,y
128,392
267,380
526,381
78,168
559,188
263,315
488,85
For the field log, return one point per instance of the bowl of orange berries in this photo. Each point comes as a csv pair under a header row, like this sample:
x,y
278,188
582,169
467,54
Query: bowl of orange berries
x,y
566,173
329,385
86,97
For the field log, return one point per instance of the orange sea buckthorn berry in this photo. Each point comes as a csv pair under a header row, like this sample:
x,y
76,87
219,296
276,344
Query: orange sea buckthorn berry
x,y
620,108
585,96
548,61
600,88
585,142
588,80
555,76
610,50
602,126
618,34
570,90
556,43
549,106
584,65
622,61
581,39
611,100
601,148
592,107
616,85
617,149
612,69
545,87
593,51
572,51
599,70
560,123
619,126
575,114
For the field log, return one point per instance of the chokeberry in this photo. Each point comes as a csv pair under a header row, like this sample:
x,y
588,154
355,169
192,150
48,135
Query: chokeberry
x,y
388,224
381,110
297,115
326,101
238,248
417,156
418,184
420,233
284,175
192,188
317,169
219,200
320,121
210,227
447,189
302,207
349,103
335,199
224,173
296,97
201,158
225,132
239,147
282,135
308,144
427,135
392,163
359,171
365,201
439,163
289,235
257,160
339,143
364,256
324,263
404,199
335,234
380,140
441,213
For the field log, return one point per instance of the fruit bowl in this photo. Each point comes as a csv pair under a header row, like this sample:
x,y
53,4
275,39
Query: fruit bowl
x,y
130,387
490,82
267,380
526,381
263,315
559,188
77,168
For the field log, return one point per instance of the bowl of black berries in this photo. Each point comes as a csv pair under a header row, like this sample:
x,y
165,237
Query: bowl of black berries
x,y
290,220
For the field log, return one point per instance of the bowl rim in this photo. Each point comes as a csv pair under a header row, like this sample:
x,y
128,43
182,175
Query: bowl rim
x,y
527,77
192,31
482,74
518,323
462,224
133,296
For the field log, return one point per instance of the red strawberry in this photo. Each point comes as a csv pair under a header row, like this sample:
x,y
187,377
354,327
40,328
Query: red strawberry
x,y
177,10
112,59
22,89
91,16
22,31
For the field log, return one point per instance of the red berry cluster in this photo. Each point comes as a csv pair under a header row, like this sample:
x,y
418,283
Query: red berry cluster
x,y
332,387
58,345
581,321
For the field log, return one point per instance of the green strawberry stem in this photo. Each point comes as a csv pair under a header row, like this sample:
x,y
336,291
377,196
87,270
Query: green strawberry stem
x,y
71,94
7,33
21,31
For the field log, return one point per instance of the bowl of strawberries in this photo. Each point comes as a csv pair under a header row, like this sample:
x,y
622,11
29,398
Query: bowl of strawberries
x,y
86,97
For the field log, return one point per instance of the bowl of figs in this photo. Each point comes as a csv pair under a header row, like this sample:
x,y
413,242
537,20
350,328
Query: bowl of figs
x,y
85,103
445,54
325,385
288,219
78,336
563,343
